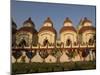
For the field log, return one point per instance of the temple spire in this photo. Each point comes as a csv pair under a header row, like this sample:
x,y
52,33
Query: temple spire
x,y
67,20
29,20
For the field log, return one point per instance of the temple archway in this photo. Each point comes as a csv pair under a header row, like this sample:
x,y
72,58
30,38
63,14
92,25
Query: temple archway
x,y
90,41
22,43
68,42
45,42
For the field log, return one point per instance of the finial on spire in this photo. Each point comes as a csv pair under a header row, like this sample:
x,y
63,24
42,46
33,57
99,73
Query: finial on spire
x,y
29,18
67,20
85,18
48,18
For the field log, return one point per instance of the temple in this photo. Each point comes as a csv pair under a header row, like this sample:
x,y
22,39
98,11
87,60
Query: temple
x,y
30,45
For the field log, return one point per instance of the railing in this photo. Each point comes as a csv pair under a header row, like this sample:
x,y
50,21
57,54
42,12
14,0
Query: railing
x,y
22,53
52,47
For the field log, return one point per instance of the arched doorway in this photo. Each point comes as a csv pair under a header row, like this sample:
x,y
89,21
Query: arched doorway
x,y
45,42
22,43
68,42
90,42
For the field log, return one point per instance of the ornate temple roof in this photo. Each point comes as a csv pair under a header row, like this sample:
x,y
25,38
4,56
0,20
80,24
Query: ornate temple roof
x,y
48,20
85,28
29,20
30,29
14,27
86,20
27,29
67,20
48,29
67,28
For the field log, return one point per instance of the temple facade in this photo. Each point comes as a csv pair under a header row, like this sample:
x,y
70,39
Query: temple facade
x,y
43,45
27,35
47,34
68,34
86,32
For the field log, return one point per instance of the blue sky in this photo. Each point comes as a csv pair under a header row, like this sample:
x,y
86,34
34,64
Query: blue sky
x,y
21,11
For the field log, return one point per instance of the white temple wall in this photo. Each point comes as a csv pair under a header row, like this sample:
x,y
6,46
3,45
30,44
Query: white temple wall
x,y
46,34
26,35
68,34
87,35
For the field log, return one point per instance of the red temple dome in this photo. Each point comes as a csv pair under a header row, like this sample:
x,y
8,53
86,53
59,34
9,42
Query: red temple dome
x,y
86,28
67,28
28,28
46,27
